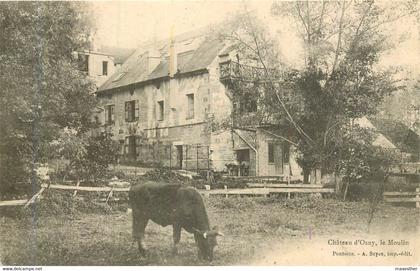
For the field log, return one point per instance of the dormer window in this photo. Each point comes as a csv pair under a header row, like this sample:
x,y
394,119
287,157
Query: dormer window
x,y
105,68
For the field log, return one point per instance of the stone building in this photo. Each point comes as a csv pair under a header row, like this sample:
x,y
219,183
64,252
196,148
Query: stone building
x,y
168,104
97,65
100,63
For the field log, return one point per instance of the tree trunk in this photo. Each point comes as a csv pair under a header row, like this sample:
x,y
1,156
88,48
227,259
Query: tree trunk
x,y
337,184
345,191
306,173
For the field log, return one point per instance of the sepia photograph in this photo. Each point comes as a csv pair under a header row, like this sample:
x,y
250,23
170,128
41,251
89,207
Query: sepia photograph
x,y
210,133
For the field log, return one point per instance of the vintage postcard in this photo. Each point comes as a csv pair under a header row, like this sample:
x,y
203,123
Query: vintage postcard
x,y
210,133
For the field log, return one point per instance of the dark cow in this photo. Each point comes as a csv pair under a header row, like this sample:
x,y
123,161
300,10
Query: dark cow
x,y
176,205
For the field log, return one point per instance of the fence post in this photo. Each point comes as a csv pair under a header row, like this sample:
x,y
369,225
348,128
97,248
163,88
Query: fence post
x,y
417,197
75,191
207,187
109,195
33,199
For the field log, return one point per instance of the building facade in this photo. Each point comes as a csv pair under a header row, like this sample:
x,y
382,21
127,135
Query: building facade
x,y
167,105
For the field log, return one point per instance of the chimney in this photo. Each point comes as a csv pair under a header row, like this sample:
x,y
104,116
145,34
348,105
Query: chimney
x,y
173,59
153,59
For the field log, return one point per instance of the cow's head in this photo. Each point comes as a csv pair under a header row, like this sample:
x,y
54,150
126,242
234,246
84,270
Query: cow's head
x,y
206,241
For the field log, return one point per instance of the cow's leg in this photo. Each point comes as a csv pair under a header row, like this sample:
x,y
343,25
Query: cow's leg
x,y
199,252
139,226
177,237
140,241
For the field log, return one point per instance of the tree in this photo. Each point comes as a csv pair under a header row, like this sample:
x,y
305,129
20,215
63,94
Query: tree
x,y
88,156
41,89
339,80
404,105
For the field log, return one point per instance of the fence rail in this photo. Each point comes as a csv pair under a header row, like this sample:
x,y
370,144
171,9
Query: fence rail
x,y
401,197
13,202
86,188
266,190
284,185
254,189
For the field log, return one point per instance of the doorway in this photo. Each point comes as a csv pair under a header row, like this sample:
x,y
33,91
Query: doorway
x,y
179,155
132,154
242,156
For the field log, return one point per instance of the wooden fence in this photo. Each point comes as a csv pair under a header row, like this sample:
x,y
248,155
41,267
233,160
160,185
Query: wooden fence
x,y
401,197
255,189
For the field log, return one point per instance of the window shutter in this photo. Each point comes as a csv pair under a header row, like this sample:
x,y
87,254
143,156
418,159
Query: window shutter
x,y
106,114
126,110
112,113
136,112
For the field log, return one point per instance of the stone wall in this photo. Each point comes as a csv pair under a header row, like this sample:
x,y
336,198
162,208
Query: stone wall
x,y
176,128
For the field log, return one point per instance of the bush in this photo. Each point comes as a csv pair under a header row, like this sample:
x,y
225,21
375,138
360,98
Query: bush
x,y
58,203
361,190
399,184
168,176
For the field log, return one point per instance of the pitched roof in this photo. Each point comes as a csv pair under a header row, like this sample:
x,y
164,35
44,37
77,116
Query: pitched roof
x,y
249,137
197,51
120,54
399,134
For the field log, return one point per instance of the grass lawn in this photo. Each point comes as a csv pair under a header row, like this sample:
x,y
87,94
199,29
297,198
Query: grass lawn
x,y
254,228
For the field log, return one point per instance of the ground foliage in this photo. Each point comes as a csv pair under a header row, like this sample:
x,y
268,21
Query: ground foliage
x,y
99,237
167,175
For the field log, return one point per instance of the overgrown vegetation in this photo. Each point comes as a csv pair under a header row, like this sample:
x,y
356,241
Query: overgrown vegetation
x,y
46,101
87,157
42,91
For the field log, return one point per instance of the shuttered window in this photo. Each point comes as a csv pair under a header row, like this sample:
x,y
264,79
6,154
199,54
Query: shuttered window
x,y
132,111
110,114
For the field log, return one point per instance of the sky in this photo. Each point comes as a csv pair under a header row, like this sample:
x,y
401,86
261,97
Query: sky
x,y
130,23
126,24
